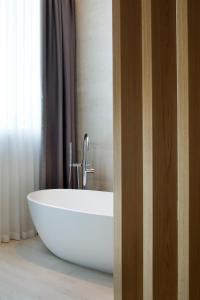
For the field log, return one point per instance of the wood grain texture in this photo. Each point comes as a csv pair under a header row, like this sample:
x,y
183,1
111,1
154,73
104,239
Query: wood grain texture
x,y
194,148
117,151
132,147
164,85
183,150
129,105
147,152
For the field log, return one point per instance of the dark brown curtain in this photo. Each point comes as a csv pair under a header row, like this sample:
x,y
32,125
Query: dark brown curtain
x,y
58,108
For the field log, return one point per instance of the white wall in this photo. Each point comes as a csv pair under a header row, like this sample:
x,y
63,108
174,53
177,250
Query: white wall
x,y
94,87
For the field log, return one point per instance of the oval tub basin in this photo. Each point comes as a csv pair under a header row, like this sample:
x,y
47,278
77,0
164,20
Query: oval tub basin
x,y
76,225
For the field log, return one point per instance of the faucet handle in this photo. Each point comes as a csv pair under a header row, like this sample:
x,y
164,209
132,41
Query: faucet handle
x,y
91,170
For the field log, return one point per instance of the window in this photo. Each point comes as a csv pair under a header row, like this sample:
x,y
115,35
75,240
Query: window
x,y
20,66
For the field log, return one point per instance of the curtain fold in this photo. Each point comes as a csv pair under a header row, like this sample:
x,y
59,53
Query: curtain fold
x,y
58,111
20,114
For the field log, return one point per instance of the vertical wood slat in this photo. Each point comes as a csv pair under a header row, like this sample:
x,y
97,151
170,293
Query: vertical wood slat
x,y
183,150
194,148
128,62
117,151
164,87
132,170
128,167
147,152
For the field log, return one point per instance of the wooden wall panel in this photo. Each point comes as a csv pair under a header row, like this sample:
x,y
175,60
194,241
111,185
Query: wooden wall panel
x,y
117,151
128,118
147,152
183,150
194,148
164,89
157,149
132,178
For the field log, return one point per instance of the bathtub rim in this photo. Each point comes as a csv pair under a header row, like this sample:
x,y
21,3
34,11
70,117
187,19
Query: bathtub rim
x,y
70,209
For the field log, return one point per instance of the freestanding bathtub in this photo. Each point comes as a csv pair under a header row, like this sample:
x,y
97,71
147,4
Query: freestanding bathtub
x,y
76,225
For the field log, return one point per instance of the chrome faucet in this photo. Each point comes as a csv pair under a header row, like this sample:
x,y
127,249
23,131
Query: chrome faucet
x,y
85,166
82,168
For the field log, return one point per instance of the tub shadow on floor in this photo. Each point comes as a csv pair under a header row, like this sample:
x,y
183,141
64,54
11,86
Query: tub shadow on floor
x,y
35,252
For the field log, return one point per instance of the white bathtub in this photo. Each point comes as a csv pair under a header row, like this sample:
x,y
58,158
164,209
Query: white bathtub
x,y
76,225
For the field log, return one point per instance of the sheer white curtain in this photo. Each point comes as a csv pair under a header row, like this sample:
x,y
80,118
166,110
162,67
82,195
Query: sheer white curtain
x,y
20,114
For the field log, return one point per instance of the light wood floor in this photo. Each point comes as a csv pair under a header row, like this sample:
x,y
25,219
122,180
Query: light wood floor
x,y
29,271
